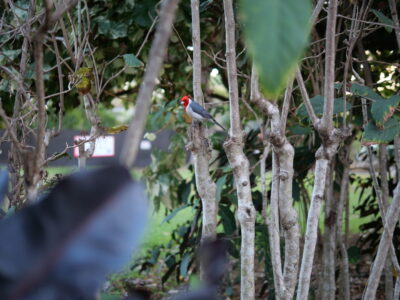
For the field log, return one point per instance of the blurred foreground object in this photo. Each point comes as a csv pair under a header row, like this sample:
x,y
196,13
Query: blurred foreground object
x,y
213,255
64,246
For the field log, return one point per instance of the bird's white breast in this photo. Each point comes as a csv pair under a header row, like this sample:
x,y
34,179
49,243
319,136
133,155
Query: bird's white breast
x,y
193,114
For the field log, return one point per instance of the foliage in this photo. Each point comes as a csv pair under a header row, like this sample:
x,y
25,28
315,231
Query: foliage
x,y
277,34
368,206
317,103
120,32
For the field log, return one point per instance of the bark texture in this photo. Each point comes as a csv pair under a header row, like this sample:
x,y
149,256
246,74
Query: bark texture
x,y
199,145
331,138
282,211
240,164
392,218
329,238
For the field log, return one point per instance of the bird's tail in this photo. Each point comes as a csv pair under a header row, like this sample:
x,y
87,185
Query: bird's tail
x,y
218,124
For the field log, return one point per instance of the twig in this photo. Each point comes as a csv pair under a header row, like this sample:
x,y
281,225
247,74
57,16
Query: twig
x,y
306,99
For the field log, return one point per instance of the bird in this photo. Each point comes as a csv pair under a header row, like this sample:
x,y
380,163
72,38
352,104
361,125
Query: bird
x,y
197,112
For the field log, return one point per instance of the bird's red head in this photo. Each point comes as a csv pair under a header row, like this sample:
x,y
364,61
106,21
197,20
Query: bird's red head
x,y
185,101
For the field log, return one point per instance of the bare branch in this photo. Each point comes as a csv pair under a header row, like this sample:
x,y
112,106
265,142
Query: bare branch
x,y
239,163
235,128
286,105
157,52
330,48
306,99
395,17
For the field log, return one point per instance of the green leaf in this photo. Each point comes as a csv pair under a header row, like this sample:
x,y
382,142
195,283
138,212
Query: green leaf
x,y
277,33
104,25
184,190
228,219
299,130
365,92
132,61
375,135
184,265
317,103
144,12
383,109
118,30
354,254
220,185
383,19
9,55
173,213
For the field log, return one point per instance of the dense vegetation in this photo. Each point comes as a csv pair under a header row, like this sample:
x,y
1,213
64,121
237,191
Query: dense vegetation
x,y
112,40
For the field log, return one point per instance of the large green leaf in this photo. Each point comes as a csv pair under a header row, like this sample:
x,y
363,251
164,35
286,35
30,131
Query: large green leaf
x,y
277,34
118,29
317,103
365,92
299,130
228,219
383,109
9,55
374,135
173,213
131,60
383,19
220,185
354,254
184,265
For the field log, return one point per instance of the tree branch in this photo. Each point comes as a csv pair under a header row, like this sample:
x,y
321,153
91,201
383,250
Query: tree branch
x,y
199,145
330,53
157,52
306,99
240,164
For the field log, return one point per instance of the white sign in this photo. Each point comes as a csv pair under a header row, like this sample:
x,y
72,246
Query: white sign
x,y
104,146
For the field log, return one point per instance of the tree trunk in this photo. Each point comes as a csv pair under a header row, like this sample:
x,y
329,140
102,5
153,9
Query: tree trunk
x,y
240,164
392,218
199,145
329,239
330,141
281,195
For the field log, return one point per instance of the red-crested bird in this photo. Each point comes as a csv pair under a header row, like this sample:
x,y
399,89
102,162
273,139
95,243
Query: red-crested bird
x,y
197,112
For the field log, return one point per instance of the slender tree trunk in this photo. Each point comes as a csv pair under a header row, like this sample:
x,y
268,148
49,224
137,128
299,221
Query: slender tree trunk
x,y
240,164
329,239
281,195
392,218
274,234
289,218
321,169
397,159
199,144
385,200
382,192
330,140
395,17
344,291
264,192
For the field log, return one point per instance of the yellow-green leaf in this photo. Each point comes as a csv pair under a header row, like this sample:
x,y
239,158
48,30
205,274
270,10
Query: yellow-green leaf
x,y
375,135
116,129
383,109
